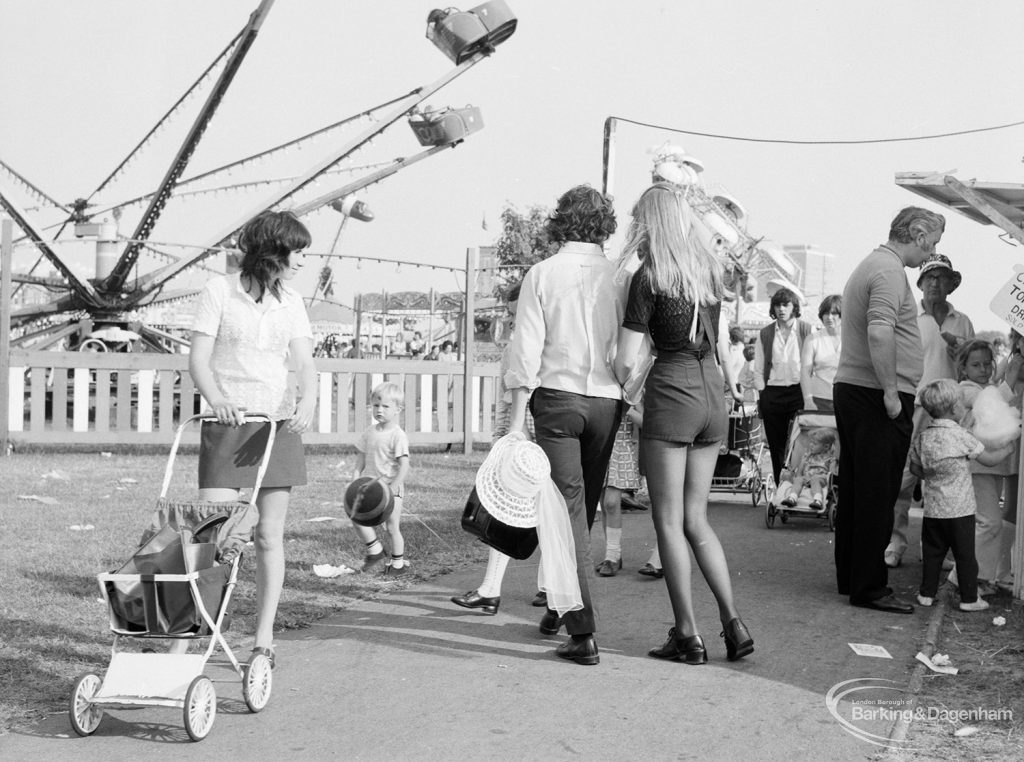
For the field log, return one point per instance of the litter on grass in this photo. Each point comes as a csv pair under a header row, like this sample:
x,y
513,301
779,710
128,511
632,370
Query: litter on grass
x,y
55,474
966,730
324,518
127,480
329,572
81,527
999,621
937,663
45,500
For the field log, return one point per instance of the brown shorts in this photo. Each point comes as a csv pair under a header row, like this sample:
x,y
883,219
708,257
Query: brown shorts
x,y
683,400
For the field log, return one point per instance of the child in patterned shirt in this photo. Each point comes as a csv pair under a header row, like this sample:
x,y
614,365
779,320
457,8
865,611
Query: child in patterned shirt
x,y
941,455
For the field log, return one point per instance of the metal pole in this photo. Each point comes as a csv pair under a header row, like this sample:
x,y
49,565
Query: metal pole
x,y
467,362
357,346
6,260
608,175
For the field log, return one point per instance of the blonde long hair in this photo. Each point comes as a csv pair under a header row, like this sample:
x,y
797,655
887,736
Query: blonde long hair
x,y
662,234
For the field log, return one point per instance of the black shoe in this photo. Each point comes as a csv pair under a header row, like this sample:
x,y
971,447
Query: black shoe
x,y
550,623
738,642
650,570
608,568
689,650
889,603
630,503
540,599
583,651
473,600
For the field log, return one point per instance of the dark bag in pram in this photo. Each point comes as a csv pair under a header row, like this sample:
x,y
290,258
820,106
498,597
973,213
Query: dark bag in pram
x,y
728,466
162,607
516,542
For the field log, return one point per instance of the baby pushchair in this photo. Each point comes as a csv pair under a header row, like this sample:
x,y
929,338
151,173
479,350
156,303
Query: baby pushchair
x,y
802,423
177,585
738,468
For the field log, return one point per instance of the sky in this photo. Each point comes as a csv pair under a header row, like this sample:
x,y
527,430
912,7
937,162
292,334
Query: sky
x,y
82,82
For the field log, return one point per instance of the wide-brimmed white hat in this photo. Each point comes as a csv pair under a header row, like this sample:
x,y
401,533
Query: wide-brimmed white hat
x,y
510,479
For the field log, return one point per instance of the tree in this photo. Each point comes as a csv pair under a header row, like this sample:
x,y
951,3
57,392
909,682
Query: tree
x,y
523,242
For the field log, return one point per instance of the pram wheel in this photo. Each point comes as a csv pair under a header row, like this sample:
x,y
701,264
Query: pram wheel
x,y
257,681
756,489
200,708
769,514
84,715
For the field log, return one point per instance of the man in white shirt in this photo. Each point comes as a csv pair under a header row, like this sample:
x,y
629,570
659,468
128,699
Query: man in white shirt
x,y
943,330
560,363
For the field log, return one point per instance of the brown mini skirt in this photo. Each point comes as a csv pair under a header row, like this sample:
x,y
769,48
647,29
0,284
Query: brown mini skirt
x,y
229,456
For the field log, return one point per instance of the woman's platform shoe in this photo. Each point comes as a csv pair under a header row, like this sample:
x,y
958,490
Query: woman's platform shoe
x,y
473,600
738,642
689,650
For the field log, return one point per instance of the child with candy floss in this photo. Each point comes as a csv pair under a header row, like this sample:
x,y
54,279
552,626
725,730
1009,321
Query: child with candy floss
x,y
941,455
975,366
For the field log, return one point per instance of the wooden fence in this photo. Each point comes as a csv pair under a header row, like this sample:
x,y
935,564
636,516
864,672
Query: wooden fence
x,y
60,398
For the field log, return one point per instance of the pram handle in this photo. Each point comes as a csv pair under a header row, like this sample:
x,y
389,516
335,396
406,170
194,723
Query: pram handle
x,y
249,418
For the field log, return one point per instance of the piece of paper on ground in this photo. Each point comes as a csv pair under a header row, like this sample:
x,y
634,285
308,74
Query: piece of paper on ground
x,y
327,571
869,649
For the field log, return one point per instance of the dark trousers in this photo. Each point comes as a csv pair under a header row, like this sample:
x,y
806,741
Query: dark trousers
x,y
778,405
872,451
939,536
577,434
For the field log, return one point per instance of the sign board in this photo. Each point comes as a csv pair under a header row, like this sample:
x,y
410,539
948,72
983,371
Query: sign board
x,y
1008,303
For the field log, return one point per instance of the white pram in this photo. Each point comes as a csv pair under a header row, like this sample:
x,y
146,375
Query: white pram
x,y
177,585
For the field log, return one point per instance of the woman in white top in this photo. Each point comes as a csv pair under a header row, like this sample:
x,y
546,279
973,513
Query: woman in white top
x,y
821,356
247,327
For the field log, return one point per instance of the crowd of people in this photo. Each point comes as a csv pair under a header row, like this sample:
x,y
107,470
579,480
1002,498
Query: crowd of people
x,y
333,346
621,368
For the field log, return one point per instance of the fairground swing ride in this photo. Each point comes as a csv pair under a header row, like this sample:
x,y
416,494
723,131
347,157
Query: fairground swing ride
x,y
745,257
105,312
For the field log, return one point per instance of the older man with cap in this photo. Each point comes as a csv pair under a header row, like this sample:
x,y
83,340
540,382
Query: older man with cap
x,y
943,331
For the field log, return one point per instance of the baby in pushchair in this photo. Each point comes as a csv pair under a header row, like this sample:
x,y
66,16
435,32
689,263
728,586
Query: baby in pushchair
x,y
809,472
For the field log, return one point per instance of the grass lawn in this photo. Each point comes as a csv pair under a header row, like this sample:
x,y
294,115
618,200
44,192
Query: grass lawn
x,y
66,517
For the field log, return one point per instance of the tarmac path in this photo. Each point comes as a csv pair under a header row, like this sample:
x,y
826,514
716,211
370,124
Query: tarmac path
x,y
411,676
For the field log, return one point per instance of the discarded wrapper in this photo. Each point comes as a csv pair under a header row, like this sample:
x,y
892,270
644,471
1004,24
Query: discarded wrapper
x,y
870,649
937,663
328,572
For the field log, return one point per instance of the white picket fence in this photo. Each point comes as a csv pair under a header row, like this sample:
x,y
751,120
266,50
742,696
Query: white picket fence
x,y
86,398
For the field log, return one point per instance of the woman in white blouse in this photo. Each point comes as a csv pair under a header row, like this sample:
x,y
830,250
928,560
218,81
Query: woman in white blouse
x,y
821,356
248,328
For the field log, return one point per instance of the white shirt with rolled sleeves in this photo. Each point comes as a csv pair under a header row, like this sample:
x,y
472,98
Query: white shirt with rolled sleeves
x,y
937,362
250,352
570,310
